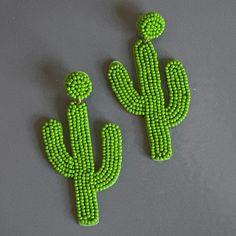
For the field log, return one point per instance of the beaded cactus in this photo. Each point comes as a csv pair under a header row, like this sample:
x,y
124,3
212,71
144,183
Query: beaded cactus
x,y
80,165
150,101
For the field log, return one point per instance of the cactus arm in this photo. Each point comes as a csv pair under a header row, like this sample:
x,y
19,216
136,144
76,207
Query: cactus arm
x,y
80,136
179,92
107,175
122,86
62,162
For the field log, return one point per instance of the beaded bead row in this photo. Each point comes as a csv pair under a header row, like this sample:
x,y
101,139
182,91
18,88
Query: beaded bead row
x,y
80,166
150,102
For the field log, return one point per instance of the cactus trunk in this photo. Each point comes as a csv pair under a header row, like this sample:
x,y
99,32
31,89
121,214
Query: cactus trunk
x,y
156,120
85,192
86,200
158,133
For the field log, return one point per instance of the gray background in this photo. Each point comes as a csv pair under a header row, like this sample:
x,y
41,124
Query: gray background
x,y
192,194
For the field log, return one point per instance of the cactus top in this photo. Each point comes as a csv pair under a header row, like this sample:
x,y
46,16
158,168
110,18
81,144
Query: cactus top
x,y
151,25
78,85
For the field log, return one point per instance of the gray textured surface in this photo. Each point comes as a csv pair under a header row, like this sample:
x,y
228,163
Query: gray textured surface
x,y
194,193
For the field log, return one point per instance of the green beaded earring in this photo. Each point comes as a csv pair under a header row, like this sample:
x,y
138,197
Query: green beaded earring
x,y
150,101
80,164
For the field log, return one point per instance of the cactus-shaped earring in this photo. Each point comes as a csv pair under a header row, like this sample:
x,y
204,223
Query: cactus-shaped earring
x,y
80,164
150,101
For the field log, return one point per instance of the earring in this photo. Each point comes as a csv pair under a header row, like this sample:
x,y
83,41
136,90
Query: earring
x,y
79,165
150,101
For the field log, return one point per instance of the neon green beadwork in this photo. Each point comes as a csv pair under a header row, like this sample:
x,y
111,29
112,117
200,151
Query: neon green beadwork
x,y
151,25
78,85
150,101
80,164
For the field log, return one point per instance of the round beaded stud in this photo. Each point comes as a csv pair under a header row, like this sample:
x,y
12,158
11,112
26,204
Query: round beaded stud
x,y
151,25
78,85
